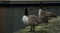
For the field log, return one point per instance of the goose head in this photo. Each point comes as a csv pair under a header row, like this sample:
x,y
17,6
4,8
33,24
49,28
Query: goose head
x,y
25,11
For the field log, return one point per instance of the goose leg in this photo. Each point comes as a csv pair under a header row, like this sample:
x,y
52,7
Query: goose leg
x,y
32,29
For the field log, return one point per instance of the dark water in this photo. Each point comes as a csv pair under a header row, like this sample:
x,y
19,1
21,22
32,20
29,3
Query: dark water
x,y
14,15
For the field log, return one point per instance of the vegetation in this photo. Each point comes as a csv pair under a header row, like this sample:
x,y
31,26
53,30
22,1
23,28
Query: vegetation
x,y
52,27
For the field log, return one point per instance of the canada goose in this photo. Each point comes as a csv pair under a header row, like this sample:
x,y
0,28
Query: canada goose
x,y
46,15
31,20
42,14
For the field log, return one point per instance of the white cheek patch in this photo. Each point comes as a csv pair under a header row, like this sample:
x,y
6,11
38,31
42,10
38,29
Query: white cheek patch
x,y
25,19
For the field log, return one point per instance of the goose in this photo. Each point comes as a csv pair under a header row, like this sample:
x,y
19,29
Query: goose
x,y
31,20
46,15
34,20
42,14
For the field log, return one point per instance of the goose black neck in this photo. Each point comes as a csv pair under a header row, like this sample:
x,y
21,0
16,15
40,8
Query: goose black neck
x,y
26,11
41,5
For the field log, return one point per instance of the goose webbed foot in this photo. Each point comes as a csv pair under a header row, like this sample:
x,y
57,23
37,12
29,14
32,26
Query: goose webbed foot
x,y
31,31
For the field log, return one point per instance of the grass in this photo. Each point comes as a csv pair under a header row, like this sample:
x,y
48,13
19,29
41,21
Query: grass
x,y
52,27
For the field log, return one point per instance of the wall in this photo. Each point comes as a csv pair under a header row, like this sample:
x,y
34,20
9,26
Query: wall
x,y
2,19
29,0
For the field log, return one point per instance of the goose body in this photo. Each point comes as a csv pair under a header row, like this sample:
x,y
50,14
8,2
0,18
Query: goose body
x,y
31,19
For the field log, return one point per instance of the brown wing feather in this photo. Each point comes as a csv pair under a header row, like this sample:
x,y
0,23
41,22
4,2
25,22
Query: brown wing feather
x,y
33,19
